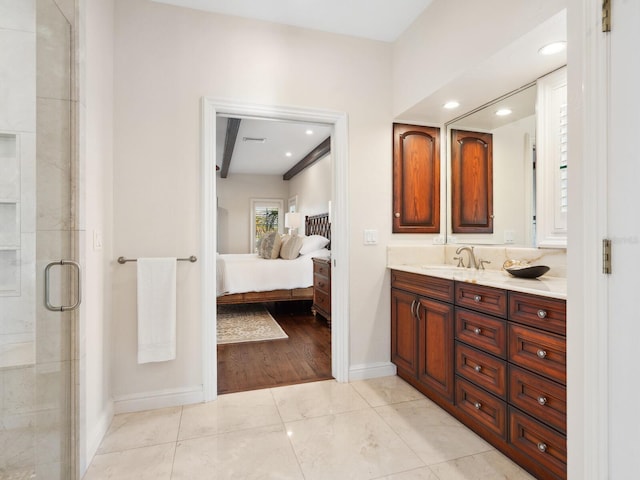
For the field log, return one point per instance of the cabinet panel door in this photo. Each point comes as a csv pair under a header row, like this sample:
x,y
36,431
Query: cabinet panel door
x,y
435,347
404,331
416,179
471,182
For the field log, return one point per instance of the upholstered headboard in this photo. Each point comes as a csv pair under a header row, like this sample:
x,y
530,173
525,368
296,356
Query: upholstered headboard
x,y
318,225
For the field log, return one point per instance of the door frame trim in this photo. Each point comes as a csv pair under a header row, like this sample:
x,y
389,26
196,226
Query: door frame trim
x,y
211,107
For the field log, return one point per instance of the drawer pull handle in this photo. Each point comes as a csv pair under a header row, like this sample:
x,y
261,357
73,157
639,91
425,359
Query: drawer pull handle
x,y
542,400
397,215
477,368
477,331
478,405
477,298
542,313
542,447
542,353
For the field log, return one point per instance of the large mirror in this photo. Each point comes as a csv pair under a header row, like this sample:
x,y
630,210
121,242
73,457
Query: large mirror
x,y
510,200
503,207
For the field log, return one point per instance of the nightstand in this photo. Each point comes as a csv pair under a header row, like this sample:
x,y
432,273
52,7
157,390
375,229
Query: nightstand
x,y
322,288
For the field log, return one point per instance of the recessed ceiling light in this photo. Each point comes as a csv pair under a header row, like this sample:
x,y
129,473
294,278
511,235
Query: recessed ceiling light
x,y
503,112
309,132
451,104
288,154
552,48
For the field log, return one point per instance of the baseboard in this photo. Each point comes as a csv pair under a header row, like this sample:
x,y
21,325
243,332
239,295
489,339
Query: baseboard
x,y
176,397
94,438
371,370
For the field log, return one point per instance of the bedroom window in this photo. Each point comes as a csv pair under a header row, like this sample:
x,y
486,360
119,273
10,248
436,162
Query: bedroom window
x,y
267,216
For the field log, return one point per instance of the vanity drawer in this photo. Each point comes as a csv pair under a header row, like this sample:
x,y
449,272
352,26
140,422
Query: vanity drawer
x,y
483,407
543,444
432,287
482,369
542,312
481,298
539,397
541,352
487,333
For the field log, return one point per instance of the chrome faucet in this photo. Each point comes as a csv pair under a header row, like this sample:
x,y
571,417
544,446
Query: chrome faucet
x,y
477,264
472,257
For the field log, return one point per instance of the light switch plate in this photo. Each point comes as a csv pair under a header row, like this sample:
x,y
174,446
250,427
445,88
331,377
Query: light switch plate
x,y
370,237
97,240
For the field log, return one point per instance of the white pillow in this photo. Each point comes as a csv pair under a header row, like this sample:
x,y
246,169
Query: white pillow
x,y
313,243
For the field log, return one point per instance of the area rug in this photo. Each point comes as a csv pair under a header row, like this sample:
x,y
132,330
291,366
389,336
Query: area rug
x,y
247,323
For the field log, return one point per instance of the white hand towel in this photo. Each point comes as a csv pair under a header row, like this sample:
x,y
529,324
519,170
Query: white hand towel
x,y
156,309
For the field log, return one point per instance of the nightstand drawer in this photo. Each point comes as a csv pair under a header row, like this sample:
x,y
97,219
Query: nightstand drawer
x,y
322,300
321,282
321,267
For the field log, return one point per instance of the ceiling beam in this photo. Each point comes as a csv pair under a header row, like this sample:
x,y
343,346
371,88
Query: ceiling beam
x,y
233,125
312,157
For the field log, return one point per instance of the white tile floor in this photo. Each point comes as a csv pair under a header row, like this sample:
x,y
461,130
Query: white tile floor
x,y
373,429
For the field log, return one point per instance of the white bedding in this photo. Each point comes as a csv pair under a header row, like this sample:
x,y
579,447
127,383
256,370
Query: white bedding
x,y
240,273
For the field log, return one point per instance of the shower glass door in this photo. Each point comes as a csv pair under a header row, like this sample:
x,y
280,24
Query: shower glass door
x,y
36,233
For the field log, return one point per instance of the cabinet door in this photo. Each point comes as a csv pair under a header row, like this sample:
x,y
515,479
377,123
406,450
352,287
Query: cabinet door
x,y
435,347
416,179
471,182
404,331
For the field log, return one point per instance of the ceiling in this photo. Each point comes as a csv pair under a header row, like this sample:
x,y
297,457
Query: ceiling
x,y
269,157
383,20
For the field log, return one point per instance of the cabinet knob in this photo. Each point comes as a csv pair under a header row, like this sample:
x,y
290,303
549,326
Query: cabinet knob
x,y
542,400
477,368
478,405
542,353
397,215
477,298
542,313
477,331
542,447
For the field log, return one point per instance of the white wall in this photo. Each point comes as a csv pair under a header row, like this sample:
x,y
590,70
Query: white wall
x,y
313,188
234,207
97,106
437,48
166,60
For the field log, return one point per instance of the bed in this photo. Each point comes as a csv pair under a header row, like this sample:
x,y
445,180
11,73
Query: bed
x,y
247,278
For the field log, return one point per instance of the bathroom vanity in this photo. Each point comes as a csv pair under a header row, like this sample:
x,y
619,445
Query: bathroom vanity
x,y
490,350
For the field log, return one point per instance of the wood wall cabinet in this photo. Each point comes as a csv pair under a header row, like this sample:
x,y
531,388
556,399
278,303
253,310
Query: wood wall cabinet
x,y
501,354
416,179
471,182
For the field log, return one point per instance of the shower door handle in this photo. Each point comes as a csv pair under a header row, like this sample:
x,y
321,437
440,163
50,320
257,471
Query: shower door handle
x,y
47,289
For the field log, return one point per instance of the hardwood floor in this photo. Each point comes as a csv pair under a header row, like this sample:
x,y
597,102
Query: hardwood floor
x,y
304,357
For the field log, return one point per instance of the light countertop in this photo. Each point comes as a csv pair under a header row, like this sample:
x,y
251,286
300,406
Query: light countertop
x,y
546,286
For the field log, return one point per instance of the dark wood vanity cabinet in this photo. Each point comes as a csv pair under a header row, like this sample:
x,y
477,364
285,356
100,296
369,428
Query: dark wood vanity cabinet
x,y
502,353
471,182
416,179
422,333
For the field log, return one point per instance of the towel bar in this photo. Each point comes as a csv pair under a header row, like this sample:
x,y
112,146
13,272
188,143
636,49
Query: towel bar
x,y
192,259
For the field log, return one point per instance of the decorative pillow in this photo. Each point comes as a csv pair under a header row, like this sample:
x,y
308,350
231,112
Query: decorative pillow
x,y
313,243
290,248
269,247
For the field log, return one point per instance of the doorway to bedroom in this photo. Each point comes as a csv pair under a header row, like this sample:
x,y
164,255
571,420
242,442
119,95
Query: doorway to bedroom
x,y
272,175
